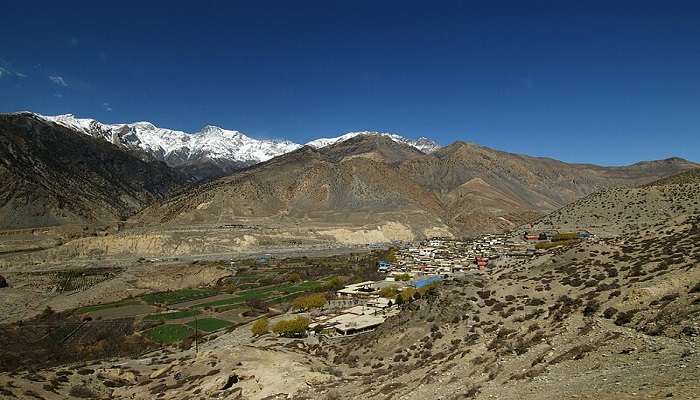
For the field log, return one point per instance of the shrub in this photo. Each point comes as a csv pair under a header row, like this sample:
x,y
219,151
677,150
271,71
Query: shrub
x,y
609,312
310,301
407,294
402,277
695,289
334,283
591,308
624,317
294,277
389,292
565,236
292,327
260,327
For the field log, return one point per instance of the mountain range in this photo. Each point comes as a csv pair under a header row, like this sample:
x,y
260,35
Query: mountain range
x,y
59,170
210,152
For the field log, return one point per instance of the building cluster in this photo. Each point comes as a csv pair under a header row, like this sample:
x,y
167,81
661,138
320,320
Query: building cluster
x,y
368,308
416,266
371,302
447,257
353,320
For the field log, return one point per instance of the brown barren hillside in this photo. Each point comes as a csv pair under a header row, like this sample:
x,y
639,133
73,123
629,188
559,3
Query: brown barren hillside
x,y
470,188
613,211
52,175
593,321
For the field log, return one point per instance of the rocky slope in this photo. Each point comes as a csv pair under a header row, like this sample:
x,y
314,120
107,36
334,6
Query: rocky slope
x,y
606,318
52,175
594,320
343,182
470,188
613,211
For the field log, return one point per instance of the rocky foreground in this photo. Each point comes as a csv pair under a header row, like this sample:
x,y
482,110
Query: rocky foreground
x,y
614,317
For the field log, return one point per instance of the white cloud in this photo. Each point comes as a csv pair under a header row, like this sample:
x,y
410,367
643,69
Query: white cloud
x,y
58,80
107,107
4,72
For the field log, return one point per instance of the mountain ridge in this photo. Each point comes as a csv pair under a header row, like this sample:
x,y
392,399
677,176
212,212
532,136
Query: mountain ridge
x,y
465,187
212,151
53,175
469,188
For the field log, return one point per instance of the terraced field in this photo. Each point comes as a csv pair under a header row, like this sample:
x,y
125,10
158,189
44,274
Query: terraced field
x,y
209,324
178,296
169,333
171,315
265,293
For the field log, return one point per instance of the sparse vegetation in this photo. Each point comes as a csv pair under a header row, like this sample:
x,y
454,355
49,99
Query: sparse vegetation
x,y
295,327
309,302
260,326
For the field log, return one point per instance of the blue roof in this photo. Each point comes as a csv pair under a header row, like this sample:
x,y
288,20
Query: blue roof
x,y
427,281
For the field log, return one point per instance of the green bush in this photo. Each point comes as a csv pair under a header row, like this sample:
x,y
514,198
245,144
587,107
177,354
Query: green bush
x,y
260,327
565,236
292,327
310,301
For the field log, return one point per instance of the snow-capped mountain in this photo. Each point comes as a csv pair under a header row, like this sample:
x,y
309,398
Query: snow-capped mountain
x,y
210,152
177,147
423,144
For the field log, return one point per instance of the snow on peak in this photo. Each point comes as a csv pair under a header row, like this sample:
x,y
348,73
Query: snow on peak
x,y
423,144
211,142
177,147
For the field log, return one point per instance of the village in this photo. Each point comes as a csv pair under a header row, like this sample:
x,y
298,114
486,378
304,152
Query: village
x,y
333,297
412,270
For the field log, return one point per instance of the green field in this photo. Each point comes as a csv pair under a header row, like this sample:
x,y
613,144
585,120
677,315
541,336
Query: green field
x,y
106,306
210,324
264,293
169,333
171,315
227,307
178,296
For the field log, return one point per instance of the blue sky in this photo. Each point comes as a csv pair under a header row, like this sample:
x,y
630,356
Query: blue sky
x,y
609,82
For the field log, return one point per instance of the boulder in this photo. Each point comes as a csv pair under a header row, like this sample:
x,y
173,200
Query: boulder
x,y
221,382
118,374
161,372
